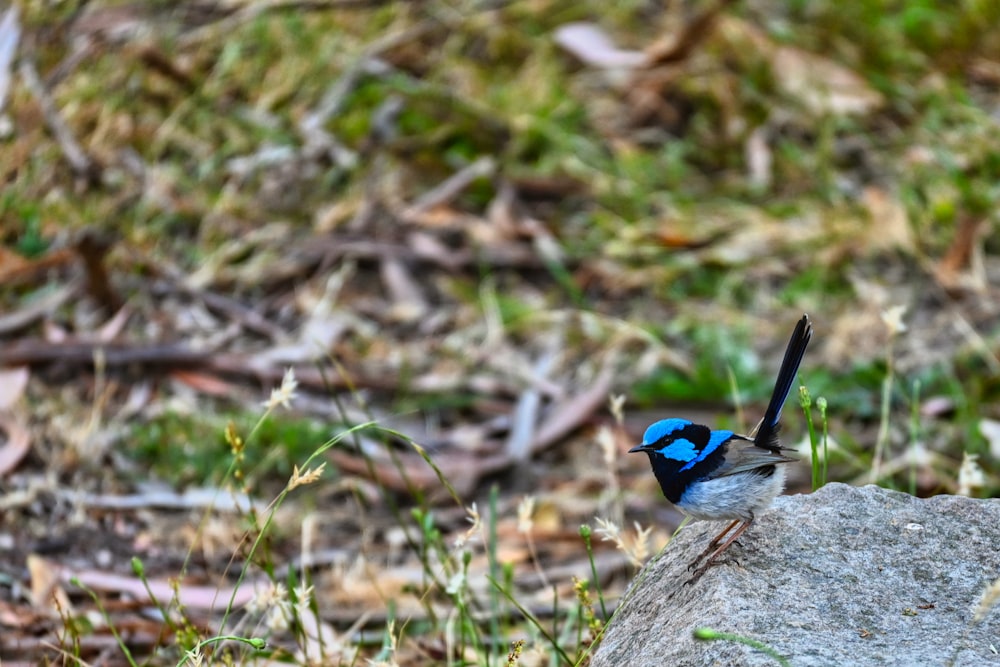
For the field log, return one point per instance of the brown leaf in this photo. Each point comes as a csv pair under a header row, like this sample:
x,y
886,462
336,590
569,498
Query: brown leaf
x,y
16,270
204,383
889,225
13,381
576,410
18,616
678,46
961,267
46,593
17,446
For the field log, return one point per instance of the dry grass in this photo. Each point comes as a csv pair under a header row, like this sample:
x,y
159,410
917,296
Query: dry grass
x,y
464,234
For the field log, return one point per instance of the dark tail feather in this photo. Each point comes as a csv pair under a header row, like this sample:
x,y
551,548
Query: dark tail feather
x,y
767,433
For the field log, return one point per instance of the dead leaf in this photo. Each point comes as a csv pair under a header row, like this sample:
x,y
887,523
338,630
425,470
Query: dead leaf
x,y
113,328
17,446
757,237
190,595
13,382
408,303
818,84
16,270
204,383
990,428
592,46
525,417
821,85
962,266
46,592
573,412
679,45
889,225
18,616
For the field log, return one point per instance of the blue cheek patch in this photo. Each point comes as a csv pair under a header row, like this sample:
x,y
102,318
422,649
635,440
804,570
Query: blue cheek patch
x,y
714,442
680,450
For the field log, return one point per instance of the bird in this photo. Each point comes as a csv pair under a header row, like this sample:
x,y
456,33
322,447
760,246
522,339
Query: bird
x,y
720,475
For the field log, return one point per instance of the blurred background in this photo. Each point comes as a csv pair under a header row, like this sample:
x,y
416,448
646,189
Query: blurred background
x,y
493,241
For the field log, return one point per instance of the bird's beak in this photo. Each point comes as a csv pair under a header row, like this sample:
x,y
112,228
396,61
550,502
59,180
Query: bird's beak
x,y
638,448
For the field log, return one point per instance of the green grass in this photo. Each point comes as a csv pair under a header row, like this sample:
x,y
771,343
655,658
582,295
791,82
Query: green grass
x,y
190,449
488,627
655,207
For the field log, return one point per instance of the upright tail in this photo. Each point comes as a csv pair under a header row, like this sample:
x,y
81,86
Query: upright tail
x,y
767,432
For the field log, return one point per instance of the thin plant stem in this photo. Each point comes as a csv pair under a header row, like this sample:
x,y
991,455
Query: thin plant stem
x,y
533,620
255,643
805,400
709,634
494,564
914,435
883,427
582,659
821,404
107,619
585,534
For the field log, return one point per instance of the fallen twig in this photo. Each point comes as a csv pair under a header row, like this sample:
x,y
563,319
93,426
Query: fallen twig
x,y
78,159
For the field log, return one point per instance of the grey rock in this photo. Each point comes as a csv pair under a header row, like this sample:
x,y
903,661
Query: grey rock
x,y
843,576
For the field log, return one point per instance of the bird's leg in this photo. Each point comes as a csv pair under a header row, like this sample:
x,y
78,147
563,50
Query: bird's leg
x,y
712,545
725,545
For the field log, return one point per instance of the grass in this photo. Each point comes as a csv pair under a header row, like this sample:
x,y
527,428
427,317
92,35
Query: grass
x,y
665,236
196,440
478,628
490,628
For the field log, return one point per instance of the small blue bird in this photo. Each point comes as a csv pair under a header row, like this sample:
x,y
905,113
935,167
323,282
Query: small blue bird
x,y
713,475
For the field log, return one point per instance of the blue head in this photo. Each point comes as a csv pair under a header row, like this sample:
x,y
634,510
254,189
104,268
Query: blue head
x,y
682,452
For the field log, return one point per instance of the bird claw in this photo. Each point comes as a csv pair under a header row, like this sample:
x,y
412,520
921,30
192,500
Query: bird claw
x,y
698,574
704,554
694,564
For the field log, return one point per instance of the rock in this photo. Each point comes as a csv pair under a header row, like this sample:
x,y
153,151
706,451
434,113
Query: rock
x,y
843,576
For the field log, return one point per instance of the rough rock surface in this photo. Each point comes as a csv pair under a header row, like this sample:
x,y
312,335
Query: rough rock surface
x,y
843,576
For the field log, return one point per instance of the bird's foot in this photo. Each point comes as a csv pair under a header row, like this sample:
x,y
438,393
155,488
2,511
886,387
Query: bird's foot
x,y
711,562
698,573
700,557
714,550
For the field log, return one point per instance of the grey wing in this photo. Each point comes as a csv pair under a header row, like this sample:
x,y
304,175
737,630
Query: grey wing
x,y
743,457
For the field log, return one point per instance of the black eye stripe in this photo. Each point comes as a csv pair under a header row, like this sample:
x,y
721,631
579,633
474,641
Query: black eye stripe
x,y
697,434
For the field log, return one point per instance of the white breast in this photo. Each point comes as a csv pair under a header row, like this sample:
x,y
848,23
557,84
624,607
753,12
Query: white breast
x,y
732,496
